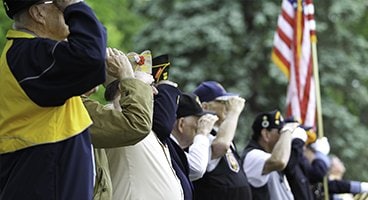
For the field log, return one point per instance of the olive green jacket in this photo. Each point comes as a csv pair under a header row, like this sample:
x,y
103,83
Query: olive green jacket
x,y
112,128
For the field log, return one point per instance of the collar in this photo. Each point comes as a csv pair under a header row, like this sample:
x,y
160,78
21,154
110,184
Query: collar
x,y
12,34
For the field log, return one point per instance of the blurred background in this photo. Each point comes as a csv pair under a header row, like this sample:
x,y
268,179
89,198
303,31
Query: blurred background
x,y
231,42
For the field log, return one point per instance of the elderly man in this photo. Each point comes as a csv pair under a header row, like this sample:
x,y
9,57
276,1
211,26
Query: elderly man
x,y
54,53
128,124
224,177
191,127
142,170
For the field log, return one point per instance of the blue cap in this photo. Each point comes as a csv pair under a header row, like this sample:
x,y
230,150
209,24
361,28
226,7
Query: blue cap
x,y
212,90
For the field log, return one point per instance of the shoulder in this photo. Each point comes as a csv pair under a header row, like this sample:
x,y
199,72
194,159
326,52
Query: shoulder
x,y
253,166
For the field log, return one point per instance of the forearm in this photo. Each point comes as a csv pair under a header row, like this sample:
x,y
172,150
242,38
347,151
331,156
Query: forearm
x,y
280,154
224,136
87,38
198,157
115,129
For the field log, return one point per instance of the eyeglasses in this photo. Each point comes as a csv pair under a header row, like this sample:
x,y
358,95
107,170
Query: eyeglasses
x,y
45,2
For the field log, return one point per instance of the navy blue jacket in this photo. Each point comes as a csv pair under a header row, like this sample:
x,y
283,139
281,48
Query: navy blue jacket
x,y
297,172
59,70
164,116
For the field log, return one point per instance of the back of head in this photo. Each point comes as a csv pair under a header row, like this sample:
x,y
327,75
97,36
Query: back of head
x,y
267,120
12,7
211,90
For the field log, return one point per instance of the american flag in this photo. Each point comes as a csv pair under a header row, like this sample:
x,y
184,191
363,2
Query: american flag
x,y
292,53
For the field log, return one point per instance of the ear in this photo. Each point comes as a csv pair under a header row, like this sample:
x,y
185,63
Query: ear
x,y
37,14
205,105
264,134
180,124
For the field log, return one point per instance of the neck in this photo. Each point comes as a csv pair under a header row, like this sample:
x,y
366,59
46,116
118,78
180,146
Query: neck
x,y
180,140
264,145
23,29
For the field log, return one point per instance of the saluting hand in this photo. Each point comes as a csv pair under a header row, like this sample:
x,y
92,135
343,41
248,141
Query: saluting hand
x,y
206,123
118,64
235,105
62,4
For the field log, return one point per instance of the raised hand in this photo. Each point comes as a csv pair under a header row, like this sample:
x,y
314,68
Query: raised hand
x,y
62,4
118,65
206,123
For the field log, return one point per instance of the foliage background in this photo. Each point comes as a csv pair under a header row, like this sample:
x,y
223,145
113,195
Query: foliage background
x,y
230,42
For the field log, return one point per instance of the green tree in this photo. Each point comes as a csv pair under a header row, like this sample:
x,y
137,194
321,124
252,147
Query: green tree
x,y
231,42
121,22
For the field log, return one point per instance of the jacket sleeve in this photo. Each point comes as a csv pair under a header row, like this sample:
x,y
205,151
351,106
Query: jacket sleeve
x,y
53,71
296,155
319,168
112,128
338,186
164,110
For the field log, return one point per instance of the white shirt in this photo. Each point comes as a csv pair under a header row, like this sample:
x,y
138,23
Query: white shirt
x,y
198,156
143,171
253,166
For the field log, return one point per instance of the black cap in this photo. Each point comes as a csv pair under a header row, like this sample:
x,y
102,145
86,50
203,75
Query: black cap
x,y
160,67
268,120
189,105
12,7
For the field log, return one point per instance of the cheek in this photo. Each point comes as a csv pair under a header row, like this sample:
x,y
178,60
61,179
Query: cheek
x,y
192,128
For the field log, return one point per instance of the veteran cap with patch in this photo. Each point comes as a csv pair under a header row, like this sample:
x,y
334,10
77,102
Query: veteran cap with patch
x,y
268,120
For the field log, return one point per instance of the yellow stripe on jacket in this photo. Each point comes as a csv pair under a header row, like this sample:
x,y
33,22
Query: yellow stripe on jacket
x,y
24,124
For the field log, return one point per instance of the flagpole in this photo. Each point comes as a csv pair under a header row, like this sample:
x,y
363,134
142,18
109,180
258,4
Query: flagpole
x,y
319,106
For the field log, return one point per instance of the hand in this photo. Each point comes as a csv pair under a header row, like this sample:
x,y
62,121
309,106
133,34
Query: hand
x,y
322,145
363,187
235,104
62,4
299,133
118,65
289,127
206,123
146,78
143,76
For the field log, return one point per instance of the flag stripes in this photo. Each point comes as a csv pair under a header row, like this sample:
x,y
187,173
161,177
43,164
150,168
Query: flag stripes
x,y
292,54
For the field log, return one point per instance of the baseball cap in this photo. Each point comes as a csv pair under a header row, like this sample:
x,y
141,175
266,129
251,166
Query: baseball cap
x,y
12,7
212,90
268,120
189,105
